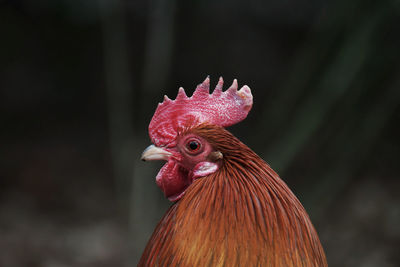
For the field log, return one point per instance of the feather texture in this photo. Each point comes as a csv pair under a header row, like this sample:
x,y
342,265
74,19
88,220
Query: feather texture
x,y
241,215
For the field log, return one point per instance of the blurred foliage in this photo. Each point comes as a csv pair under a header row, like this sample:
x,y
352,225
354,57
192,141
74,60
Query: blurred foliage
x,y
79,82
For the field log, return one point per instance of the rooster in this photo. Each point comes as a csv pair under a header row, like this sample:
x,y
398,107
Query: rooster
x,y
230,208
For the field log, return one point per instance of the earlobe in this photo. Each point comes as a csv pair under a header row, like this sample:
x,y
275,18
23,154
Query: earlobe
x,y
204,168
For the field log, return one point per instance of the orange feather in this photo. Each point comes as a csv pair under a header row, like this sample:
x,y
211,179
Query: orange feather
x,y
241,215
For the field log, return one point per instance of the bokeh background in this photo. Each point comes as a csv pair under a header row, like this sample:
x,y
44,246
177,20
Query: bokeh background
x,y
80,80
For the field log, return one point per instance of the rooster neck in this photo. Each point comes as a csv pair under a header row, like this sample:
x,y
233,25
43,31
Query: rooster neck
x,y
234,218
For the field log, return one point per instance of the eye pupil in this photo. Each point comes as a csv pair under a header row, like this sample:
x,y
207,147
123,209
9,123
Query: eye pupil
x,y
193,145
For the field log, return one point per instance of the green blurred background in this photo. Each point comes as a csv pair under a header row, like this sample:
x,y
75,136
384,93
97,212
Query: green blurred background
x,y
80,80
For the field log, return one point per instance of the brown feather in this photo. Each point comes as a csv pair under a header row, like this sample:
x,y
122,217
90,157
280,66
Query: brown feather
x,y
242,215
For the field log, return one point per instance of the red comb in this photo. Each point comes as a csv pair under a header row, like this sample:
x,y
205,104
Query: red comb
x,y
219,108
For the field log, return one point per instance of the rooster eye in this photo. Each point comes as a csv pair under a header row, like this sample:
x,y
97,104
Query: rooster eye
x,y
193,145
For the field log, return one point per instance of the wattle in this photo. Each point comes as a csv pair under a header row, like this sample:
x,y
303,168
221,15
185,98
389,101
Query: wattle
x,y
173,180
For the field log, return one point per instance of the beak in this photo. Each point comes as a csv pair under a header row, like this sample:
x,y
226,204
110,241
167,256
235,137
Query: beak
x,y
155,153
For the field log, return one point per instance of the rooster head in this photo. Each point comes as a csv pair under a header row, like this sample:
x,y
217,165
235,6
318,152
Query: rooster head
x,y
190,156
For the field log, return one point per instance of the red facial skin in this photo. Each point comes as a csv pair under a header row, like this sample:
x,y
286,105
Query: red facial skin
x,y
185,165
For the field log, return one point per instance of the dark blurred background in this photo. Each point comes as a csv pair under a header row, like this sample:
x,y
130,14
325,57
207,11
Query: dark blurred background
x,y
80,80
